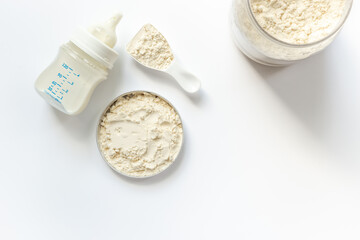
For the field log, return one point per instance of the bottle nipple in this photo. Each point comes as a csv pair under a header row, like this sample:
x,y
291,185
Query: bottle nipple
x,y
106,32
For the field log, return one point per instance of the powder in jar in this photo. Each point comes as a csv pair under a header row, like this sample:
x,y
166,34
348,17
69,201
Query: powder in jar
x,y
149,47
298,21
140,135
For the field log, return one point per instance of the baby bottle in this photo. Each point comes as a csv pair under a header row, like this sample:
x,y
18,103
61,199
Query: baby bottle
x,y
81,64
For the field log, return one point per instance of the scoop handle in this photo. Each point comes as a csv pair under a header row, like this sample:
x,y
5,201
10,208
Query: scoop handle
x,y
188,81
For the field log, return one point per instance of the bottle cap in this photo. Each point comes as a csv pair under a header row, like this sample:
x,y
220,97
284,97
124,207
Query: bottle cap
x,y
94,48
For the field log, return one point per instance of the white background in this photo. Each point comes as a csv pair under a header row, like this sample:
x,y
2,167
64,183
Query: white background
x,y
269,153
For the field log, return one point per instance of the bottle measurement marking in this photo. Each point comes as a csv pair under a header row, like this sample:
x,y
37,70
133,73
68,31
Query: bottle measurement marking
x,y
59,88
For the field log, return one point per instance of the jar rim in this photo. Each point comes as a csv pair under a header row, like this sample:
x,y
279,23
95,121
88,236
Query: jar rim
x,y
293,45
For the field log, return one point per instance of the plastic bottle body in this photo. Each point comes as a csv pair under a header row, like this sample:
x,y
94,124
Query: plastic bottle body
x,y
70,80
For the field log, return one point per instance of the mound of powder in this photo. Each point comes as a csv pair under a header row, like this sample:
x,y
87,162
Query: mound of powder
x,y
298,21
150,48
140,135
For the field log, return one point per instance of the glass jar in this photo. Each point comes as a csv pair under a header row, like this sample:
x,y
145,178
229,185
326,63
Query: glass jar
x,y
260,46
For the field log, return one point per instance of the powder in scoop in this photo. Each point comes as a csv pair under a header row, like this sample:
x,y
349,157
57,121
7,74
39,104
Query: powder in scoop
x,y
150,48
298,21
140,135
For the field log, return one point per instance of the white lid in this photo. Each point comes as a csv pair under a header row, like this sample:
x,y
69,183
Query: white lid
x,y
94,48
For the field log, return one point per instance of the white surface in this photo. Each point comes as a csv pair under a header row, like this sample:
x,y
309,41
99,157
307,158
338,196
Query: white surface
x,y
269,153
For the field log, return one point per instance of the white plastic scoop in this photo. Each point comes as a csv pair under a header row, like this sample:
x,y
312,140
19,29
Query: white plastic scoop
x,y
186,80
150,48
